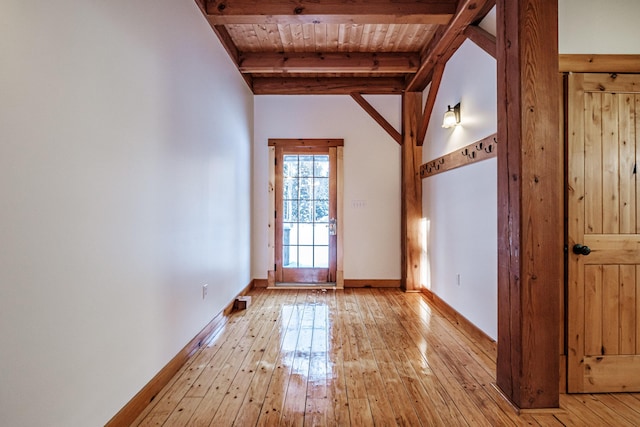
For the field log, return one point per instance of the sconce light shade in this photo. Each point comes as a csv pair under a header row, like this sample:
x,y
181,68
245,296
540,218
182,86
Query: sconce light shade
x,y
452,116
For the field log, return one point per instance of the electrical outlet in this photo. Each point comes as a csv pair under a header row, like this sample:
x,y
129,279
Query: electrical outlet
x,y
205,290
458,279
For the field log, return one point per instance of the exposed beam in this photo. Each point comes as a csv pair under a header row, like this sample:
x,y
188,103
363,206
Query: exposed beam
x,y
485,40
411,233
331,11
328,62
440,46
375,115
431,100
326,85
599,63
530,203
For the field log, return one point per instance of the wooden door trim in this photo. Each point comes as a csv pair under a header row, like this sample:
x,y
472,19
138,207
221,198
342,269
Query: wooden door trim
x,y
575,169
300,143
579,63
305,142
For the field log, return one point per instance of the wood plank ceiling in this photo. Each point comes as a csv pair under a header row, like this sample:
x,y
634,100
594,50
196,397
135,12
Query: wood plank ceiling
x,y
342,46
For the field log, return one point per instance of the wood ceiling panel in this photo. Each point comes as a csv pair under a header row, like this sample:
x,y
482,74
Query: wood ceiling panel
x,y
330,37
379,46
269,37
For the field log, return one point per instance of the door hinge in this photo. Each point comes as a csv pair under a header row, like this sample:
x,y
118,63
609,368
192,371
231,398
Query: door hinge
x,y
275,214
635,167
275,267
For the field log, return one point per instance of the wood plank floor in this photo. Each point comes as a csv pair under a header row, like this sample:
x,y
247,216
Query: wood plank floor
x,y
358,357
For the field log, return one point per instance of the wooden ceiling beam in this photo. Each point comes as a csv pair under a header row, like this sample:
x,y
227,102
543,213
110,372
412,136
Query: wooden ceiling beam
x,y
485,40
328,62
327,85
431,100
442,45
331,11
375,115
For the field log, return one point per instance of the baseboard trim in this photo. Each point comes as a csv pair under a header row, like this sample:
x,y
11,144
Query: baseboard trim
x,y
483,340
260,283
373,283
128,414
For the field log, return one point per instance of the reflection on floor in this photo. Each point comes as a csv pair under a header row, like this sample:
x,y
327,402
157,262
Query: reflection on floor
x,y
355,357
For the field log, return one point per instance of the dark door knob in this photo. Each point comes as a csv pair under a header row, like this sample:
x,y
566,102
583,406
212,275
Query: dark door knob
x,y
581,249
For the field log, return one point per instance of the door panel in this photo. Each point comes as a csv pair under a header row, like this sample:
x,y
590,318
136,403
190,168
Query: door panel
x,y
604,285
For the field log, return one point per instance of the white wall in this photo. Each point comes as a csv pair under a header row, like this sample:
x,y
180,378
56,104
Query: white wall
x,y
372,174
125,136
460,206
598,27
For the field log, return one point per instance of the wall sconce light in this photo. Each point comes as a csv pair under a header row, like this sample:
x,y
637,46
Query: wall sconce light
x,y
452,116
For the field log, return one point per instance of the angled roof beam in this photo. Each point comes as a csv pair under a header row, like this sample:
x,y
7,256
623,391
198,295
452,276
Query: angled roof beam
x,y
330,11
326,85
375,115
485,40
443,46
438,71
328,62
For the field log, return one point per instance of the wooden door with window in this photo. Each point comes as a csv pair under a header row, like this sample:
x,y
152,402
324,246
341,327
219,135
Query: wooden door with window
x,y
306,211
604,233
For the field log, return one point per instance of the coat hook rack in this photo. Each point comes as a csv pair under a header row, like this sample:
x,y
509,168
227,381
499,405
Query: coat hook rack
x,y
475,152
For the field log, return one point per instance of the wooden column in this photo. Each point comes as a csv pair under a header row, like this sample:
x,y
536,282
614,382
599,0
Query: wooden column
x,y
411,191
530,242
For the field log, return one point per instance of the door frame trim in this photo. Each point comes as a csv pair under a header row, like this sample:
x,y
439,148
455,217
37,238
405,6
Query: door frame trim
x,y
271,225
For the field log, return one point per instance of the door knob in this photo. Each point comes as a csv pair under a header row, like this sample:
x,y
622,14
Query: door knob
x,y
581,249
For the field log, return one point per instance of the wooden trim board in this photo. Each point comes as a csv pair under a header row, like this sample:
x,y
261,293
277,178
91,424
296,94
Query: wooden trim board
x,y
483,149
141,400
305,142
368,283
599,63
484,341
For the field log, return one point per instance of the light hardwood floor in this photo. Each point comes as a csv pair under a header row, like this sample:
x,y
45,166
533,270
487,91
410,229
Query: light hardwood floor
x,y
357,357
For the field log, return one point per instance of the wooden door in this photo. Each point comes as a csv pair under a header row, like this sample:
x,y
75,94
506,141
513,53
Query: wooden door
x,y
306,223
604,233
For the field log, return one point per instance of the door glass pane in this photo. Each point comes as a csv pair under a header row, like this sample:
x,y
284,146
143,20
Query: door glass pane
x,y
321,256
290,189
306,256
306,166
290,256
321,234
321,166
290,211
305,213
321,211
290,166
289,233
321,188
306,234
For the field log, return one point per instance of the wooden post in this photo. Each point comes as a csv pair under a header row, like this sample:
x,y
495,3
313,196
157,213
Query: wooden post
x,y
411,191
530,226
